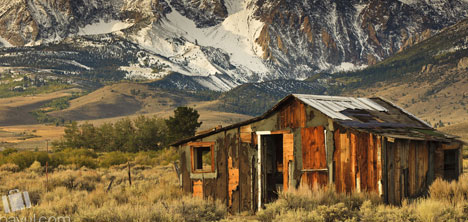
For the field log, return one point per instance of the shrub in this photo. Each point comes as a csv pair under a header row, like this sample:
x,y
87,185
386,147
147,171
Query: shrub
x,y
196,209
453,192
36,167
22,159
113,158
8,151
10,167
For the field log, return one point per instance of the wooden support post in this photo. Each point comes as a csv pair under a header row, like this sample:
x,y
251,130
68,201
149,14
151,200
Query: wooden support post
x,y
47,166
430,170
384,169
240,162
129,174
330,149
110,184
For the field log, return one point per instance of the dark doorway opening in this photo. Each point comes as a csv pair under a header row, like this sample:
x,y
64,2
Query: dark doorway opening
x,y
451,164
272,146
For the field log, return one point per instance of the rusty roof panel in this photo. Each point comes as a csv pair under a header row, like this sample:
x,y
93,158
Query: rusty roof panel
x,y
333,106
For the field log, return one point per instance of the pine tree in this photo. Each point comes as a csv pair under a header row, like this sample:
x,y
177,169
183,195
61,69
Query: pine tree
x,y
183,124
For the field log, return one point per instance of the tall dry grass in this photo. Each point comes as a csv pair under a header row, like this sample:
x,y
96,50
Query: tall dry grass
x,y
82,195
448,201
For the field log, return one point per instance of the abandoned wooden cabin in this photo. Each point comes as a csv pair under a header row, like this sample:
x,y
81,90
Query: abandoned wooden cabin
x,y
356,144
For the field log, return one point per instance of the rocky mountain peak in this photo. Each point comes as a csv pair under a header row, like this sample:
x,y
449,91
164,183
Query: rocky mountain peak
x,y
223,43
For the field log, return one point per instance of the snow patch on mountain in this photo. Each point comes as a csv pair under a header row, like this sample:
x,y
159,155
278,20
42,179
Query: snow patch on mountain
x,y
178,38
409,2
5,43
215,83
77,64
347,66
104,27
137,72
233,36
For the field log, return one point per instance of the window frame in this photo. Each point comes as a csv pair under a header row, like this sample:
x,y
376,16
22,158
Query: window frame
x,y
195,145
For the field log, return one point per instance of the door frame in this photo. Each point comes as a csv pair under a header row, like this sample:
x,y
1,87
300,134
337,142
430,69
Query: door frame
x,y
259,165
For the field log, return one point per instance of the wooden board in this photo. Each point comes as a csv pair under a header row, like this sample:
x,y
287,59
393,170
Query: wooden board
x,y
246,134
407,169
292,115
357,161
314,157
233,175
288,155
197,188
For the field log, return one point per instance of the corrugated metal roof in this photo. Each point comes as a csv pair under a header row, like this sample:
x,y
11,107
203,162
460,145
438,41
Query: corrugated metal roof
x,y
374,115
333,105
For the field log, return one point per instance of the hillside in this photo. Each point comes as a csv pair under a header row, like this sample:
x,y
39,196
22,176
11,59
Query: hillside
x,y
459,129
429,79
20,128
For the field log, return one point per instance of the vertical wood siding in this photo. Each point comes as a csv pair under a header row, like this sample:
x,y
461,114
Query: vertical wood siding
x,y
292,115
313,157
408,165
357,161
288,155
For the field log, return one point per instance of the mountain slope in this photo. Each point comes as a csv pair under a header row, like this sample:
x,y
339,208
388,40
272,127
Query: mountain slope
x,y
429,79
214,41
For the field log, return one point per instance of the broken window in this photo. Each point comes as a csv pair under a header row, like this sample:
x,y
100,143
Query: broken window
x,y
202,157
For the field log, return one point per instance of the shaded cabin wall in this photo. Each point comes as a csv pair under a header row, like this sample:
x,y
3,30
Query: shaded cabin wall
x,y
409,168
357,161
456,170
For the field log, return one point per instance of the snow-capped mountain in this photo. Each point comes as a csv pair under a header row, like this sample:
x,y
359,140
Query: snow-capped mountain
x,y
215,44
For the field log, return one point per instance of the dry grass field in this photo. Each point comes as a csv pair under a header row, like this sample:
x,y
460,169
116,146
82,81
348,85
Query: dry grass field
x,y
29,137
81,194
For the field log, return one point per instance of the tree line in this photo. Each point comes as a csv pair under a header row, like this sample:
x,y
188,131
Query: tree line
x,y
127,135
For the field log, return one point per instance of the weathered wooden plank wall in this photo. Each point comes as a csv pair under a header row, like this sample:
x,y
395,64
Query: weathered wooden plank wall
x,y
357,161
408,165
292,115
314,160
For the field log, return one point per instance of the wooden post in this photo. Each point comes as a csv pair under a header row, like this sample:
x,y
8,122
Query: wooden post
x,y
47,166
129,174
384,169
110,184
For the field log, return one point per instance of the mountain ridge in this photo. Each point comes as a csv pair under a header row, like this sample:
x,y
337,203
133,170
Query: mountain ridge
x,y
217,40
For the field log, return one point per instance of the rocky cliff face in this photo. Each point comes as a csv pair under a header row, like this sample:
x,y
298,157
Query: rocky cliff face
x,y
224,43
300,37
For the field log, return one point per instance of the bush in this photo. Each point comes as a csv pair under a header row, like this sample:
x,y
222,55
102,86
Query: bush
x,y
10,167
453,192
22,159
197,209
76,157
112,159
